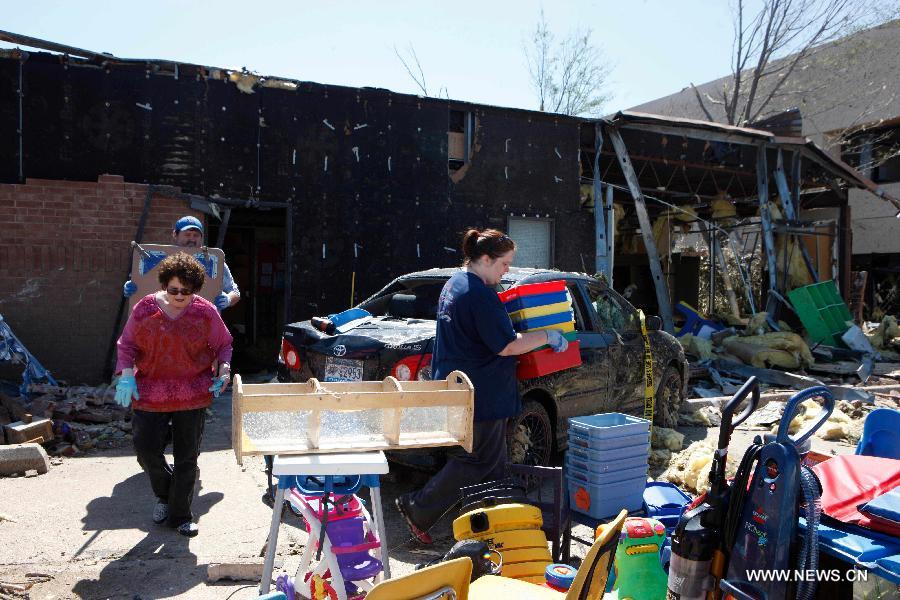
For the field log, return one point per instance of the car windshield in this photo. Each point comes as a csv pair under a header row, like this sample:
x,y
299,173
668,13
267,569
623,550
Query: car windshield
x,y
412,298
409,299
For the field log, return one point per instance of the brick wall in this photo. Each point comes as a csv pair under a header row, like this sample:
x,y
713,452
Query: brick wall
x,y
64,255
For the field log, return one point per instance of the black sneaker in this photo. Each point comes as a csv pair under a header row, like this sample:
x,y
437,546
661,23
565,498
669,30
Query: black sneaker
x,y
402,504
188,529
160,512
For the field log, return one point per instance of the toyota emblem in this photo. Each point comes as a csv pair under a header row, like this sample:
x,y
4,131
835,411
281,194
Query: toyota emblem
x,y
340,350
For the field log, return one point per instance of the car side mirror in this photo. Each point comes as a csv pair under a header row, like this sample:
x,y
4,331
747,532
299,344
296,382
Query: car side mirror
x,y
653,323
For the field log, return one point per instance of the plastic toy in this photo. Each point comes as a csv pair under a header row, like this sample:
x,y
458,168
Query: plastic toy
x,y
639,575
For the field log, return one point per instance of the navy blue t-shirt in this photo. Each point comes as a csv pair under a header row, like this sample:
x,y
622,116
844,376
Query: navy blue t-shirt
x,y
472,329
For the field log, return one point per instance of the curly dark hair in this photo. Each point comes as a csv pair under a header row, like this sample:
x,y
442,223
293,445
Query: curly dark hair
x,y
183,266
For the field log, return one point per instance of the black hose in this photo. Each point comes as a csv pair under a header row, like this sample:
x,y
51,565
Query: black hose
x,y
738,496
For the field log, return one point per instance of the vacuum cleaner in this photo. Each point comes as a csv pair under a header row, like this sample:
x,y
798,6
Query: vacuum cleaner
x,y
698,560
761,524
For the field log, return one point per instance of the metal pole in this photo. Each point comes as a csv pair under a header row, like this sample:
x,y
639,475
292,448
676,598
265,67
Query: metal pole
x,y
762,189
601,261
659,282
611,232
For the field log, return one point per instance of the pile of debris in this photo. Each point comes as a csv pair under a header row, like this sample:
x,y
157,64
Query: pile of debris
x,y
723,359
65,419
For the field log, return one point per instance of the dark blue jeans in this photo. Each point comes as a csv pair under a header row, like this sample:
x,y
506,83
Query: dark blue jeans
x,y
486,462
172,485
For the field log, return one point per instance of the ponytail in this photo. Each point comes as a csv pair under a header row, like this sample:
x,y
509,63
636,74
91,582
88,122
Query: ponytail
x,y
485,242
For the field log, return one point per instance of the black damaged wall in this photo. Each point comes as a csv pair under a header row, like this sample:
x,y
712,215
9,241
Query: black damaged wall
x,y
362,166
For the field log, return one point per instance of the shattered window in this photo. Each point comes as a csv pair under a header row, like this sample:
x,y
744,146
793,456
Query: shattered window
x,y
610,313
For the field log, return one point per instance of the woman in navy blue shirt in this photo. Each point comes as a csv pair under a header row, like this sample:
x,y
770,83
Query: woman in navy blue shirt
x,y
475,336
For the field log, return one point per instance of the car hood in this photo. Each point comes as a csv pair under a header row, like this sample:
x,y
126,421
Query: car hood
x,y
405,335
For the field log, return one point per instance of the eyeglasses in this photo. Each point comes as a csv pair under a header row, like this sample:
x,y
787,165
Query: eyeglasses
x,y
179,291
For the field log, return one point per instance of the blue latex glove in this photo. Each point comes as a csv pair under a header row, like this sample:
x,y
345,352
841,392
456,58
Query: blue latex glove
x,y
218,385
129,288
556,340
222,301
125,389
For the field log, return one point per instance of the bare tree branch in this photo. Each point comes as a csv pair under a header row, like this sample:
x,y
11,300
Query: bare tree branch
x,y
702,104
418,78
794,29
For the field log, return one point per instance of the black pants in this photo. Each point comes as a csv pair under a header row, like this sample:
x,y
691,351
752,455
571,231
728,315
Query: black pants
x,y
172,485
486,462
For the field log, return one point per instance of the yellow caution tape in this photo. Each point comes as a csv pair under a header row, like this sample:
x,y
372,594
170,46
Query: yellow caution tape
x,y
649,397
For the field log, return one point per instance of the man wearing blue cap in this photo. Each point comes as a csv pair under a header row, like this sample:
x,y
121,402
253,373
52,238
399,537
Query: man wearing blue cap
x,y
188,233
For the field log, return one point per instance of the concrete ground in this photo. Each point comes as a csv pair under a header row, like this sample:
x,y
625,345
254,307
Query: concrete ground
x,y
85,526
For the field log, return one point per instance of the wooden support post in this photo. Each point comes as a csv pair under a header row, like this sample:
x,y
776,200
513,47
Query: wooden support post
x,y
659,282
601,262
314,421
762,189
392,417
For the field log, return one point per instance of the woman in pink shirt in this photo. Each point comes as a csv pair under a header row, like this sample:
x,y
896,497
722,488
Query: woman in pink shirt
x,y
173,347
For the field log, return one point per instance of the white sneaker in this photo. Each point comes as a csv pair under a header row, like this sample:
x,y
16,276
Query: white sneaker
x,y
160,512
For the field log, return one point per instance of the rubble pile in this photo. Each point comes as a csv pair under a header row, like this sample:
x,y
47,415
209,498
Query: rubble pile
x,y
689,469
66,420
783,359
845,422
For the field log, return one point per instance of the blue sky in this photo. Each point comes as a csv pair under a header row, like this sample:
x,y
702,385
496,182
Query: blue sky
x,y
473,49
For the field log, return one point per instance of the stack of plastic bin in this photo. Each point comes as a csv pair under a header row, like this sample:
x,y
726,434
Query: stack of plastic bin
x,y
536,307
606,463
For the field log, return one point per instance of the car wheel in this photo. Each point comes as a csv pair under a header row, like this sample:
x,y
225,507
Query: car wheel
x,y
668,398
529,437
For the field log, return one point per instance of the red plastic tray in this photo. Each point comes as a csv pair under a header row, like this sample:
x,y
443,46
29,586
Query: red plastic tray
x,y
530,289
546,361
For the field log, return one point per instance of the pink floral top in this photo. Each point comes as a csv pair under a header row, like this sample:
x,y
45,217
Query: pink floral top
x,y
173,357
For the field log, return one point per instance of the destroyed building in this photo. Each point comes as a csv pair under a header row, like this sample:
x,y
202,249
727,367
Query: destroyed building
x,y
846,98
320,194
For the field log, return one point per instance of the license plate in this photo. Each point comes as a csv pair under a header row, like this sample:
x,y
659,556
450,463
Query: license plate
x,y
343,369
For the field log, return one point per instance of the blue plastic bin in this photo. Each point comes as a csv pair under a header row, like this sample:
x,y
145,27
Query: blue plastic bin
x,y
665,502
578,439
608,499
609,425
624,464
614,475
579,447
535,300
